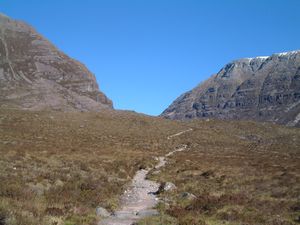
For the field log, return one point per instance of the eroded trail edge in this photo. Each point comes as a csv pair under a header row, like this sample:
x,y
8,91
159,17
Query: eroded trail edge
x,y
139,199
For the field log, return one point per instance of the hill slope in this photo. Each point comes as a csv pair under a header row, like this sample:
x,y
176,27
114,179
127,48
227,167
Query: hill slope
x,y
261,89
36,75
58,167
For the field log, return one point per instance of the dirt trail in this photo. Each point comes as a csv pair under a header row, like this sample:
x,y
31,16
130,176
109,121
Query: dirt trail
x,y
180,133
139,199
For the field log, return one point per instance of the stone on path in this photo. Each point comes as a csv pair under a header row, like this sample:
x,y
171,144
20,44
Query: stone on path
x,y
102,212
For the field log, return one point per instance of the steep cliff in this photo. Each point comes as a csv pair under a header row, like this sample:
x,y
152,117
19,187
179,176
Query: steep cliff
x,y
35,75
261,89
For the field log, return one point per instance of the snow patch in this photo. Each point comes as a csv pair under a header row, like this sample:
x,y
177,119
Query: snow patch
x,y
288,53
262,57
256,58
277,54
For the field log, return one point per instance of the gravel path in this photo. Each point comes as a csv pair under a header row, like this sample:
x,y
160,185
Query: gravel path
x,y
139,199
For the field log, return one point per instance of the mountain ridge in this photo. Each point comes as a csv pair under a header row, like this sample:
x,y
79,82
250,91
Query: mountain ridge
x,y
248,88
36,75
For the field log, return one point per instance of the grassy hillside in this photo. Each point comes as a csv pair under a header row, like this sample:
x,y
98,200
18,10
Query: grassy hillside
x,y
56,168
240,173
60,166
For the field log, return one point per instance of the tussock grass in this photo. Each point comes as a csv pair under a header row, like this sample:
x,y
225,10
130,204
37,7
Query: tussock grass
x,y
240,172
56,168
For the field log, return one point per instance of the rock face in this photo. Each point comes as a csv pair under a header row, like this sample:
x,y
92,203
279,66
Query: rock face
x,y
37,76
261,89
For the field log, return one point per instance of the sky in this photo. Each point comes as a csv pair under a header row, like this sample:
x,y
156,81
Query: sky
x,y
145,53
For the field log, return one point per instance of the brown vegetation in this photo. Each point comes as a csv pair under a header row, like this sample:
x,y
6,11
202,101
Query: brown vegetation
x,y
240,172
56,168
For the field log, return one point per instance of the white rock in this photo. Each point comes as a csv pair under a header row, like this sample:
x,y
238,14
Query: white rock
x,y
188,196
102,212
169,186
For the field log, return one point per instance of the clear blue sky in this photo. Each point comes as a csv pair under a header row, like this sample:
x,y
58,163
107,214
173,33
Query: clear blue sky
x,y
145,53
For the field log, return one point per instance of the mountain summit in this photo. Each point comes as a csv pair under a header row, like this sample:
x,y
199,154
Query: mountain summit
x,y
261,89
35,75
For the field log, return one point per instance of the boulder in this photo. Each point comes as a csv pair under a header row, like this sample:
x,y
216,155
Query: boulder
x,y
166,186
187,196
169,186
102,212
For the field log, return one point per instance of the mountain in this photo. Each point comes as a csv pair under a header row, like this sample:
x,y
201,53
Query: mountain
x,y
261,89
35,75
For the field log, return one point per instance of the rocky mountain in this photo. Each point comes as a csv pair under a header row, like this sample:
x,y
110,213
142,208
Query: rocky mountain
x,y
261,89
35,75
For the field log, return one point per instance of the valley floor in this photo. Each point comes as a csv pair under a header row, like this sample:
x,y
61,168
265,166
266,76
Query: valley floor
x,y
57,168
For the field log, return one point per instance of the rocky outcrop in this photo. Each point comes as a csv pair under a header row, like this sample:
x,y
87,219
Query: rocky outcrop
x,y
35,75
261,89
